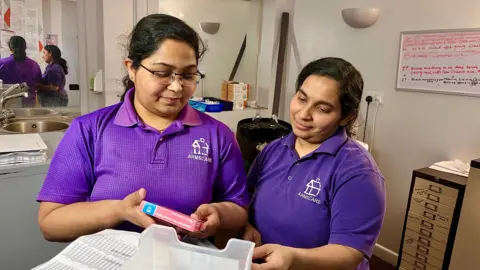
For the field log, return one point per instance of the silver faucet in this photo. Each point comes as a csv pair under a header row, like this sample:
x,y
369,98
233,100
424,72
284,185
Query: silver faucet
x,y
6,114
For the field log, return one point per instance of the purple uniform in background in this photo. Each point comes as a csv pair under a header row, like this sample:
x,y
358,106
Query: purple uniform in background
x,y
335,195
54,75
110,153
28,71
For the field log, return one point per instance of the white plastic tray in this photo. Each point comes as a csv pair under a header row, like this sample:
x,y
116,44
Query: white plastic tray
x,y
160,249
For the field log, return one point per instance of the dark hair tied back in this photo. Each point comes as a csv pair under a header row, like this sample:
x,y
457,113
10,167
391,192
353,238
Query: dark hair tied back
x,y
18,46
57,57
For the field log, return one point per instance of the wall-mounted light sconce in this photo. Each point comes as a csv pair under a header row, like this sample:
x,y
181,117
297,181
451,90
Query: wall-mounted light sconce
x,y
360,17
210,27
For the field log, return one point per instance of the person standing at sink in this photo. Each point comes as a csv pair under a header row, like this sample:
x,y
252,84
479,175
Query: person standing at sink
x,y
51,89
19,68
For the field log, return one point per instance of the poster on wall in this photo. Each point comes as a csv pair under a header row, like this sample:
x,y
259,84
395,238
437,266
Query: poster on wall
x,y
5,36
5,15
16,17
51,39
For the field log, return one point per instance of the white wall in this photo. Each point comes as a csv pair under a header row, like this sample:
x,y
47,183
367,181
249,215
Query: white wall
x,y
413,129
60,17
69,47
265,56
91,51
56,20
118,23
271,16
236,19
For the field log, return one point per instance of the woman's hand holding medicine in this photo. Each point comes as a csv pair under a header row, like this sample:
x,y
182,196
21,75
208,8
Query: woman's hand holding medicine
x,y
129,209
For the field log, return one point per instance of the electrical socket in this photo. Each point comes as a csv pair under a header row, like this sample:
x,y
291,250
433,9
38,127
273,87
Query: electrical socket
x,y
377,97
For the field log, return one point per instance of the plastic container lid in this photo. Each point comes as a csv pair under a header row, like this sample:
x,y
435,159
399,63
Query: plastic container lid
x,y
160,249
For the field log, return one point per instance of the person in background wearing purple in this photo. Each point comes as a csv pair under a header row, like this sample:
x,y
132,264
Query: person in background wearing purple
x,y
51,89
318,197
152,146
18,68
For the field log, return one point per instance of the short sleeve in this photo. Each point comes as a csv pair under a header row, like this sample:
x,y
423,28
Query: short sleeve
x,y
231,182
70,176
358,209
54,77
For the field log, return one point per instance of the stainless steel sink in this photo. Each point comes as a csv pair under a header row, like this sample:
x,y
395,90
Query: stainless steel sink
x,y
33,112
34,126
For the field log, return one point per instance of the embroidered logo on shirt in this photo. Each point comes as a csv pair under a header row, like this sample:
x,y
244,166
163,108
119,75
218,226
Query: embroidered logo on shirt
x,y
200,149
312,190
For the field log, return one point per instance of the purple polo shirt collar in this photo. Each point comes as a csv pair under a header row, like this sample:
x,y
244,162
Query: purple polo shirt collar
x,y
330,146
127,116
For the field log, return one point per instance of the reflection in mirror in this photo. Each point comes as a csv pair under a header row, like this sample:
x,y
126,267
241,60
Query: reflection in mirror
x,y
39,47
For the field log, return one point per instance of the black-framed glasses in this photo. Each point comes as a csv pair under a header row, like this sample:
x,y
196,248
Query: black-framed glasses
x,y
167,77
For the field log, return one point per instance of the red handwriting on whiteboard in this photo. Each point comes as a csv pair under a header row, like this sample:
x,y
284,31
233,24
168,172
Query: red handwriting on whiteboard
x,y
441,45
441,59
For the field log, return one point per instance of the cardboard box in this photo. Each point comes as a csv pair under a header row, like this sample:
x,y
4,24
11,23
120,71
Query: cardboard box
x,y
237,92
224,94
173,217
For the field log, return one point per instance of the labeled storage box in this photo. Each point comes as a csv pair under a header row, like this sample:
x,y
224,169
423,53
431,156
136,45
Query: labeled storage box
x,y
237,92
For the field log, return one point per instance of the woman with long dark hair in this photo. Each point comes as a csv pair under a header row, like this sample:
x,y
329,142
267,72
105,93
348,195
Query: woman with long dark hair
x,y
51,90
18,68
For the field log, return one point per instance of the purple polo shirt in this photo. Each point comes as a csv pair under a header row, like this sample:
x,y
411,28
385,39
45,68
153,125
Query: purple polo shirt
x,y
54,75
334,195
27,71
110,153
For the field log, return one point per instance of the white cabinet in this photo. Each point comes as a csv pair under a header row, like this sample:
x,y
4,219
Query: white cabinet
x,y
21,243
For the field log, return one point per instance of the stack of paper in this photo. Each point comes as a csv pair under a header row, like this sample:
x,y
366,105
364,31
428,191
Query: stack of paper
x,y
22,148
106,250
457,167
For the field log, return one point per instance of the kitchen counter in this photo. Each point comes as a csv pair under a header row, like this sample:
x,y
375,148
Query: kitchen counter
x,y
51,139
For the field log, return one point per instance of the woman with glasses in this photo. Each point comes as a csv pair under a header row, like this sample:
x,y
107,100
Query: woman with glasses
x,y
151,146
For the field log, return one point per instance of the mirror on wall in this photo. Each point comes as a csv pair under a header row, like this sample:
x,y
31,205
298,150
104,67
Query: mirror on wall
x,y
49,29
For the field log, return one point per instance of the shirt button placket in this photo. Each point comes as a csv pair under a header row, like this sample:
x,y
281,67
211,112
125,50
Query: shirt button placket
x,y
291,170
159,151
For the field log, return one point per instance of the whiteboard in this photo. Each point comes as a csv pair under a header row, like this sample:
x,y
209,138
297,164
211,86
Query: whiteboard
x,y
443,61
